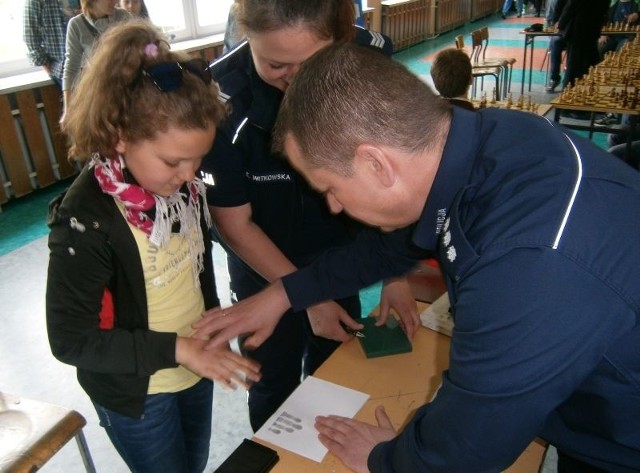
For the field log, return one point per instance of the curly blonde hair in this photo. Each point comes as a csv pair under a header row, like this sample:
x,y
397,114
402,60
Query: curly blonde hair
x,y
115,100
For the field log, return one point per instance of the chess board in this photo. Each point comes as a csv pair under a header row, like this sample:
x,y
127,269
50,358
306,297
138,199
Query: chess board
x,y
523,103
620,27
612,85
520,104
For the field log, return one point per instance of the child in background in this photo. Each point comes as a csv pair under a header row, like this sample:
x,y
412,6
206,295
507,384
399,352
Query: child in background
x,y
136,8
83,31
451,72
130,264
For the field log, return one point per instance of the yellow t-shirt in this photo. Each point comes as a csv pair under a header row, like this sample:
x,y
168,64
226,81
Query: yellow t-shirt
x,y
174,301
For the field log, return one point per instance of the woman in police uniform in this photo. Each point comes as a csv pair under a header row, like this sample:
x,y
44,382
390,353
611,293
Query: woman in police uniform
x,y
268,219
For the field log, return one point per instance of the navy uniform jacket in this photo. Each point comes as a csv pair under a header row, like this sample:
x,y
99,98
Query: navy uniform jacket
x,y
537,233
241,168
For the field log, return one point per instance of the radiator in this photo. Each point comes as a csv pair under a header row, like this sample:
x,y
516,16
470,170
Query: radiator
x,y
452,13
406,22
33,151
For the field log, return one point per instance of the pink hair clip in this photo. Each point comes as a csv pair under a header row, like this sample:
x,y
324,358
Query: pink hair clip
x,y
151,50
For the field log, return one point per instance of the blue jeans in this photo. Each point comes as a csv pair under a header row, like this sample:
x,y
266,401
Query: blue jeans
x,y
557,44
173,434
506,6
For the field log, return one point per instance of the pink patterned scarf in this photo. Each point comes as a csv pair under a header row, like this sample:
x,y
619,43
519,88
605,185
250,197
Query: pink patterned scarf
x,y
139,205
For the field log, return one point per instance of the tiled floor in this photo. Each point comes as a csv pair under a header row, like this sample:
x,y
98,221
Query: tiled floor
x,y
29,370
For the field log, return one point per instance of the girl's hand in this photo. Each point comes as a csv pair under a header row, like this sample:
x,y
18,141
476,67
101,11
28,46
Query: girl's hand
x,y
217,364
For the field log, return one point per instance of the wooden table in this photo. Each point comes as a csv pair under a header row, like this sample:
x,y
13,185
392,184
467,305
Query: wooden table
x,y
529,42
401,383
592,93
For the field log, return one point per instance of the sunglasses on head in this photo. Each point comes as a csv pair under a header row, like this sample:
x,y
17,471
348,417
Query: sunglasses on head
x,y
168,76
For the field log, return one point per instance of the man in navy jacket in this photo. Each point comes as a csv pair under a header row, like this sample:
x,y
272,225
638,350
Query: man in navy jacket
x,y
537,233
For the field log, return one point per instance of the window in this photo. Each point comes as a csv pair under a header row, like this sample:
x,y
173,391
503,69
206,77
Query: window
x,y
180,19
13,52
186,19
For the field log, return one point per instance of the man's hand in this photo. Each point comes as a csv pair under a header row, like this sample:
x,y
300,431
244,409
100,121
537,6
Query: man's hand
x,y
325,319
351,440
256,316
397,295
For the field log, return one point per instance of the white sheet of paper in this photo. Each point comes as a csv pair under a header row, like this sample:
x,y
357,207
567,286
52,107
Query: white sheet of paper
x,y
291,426
437,316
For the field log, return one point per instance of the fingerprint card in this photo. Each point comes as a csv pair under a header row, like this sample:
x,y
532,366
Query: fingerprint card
x,y
291,426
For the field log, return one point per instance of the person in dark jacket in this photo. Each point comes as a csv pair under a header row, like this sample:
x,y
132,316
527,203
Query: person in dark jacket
x,y
536,230
130,264
580,24
233,35
270,221
624,13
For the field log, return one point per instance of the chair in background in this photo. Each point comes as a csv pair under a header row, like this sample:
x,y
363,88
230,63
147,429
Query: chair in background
x,y
32,432
480,71
506,63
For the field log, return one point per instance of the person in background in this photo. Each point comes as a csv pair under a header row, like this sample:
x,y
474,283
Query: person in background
x,y
233,35
557,44
620,151
452,77
624,12
268,219
136,8
83,32
618,141
549,12
536,230
506,6
580,24
130,264
537,5
44,29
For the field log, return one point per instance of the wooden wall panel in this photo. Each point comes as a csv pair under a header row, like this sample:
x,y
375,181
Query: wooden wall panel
x,y
17,171
406,22
52,111
482,8
34,135
452,13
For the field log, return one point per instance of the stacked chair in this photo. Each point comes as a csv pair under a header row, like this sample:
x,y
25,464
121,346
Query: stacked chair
x,y
480,70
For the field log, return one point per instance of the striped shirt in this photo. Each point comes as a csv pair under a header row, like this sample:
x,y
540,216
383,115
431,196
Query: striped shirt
x,y
44,29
